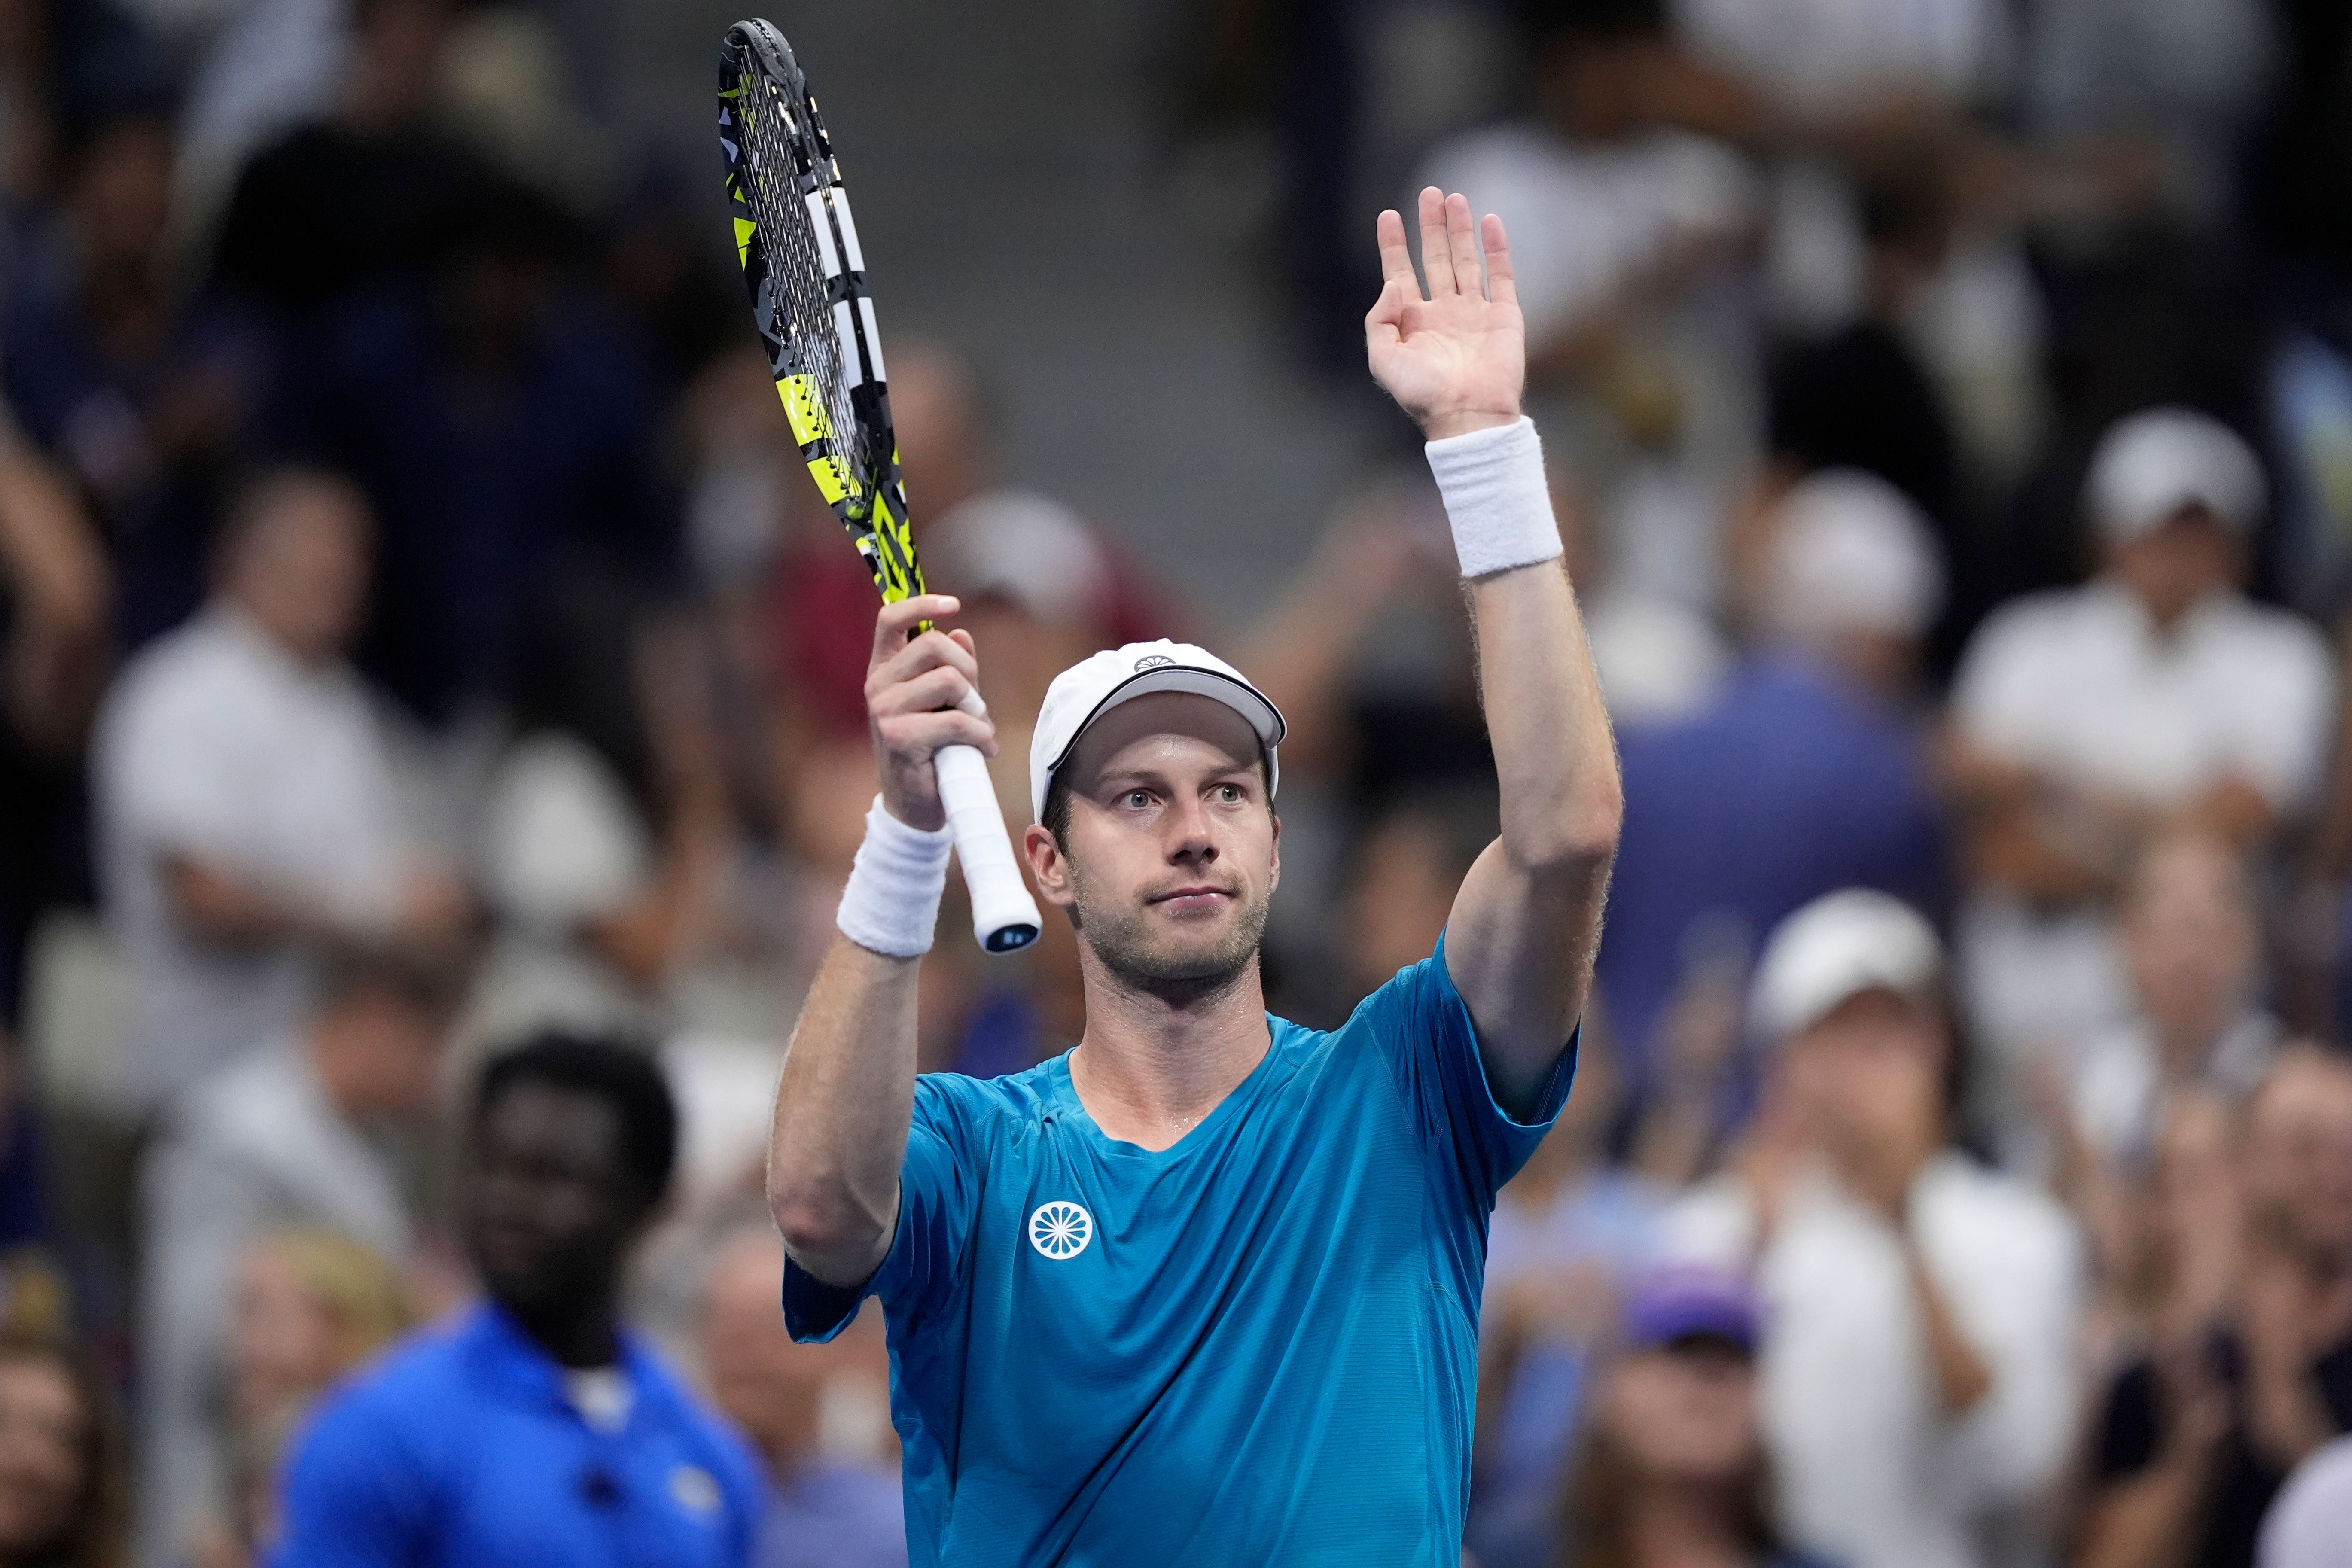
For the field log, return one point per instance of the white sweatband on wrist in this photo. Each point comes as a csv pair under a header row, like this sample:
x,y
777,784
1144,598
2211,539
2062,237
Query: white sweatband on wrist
x,y
1492,484
892,898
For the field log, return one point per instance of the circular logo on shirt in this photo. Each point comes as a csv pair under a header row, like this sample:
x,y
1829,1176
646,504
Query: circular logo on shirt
x,y
1060,1230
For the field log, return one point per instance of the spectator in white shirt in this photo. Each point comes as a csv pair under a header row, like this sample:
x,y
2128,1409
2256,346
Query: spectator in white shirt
x,y
297,1132
247,799
1920,1311
2089,720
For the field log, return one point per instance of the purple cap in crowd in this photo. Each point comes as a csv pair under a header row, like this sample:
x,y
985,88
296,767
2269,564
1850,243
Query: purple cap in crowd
x,y
1687,1301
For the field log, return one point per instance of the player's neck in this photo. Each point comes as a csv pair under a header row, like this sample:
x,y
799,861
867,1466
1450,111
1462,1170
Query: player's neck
x,y
1151,1065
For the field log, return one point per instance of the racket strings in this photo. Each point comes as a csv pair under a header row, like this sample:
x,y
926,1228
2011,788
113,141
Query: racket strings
x,y
801,300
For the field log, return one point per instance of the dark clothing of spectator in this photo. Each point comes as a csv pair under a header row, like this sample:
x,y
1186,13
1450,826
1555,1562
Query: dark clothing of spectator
x,y
487,481
1859,399
328,210
1791,784
2244,1479
149,443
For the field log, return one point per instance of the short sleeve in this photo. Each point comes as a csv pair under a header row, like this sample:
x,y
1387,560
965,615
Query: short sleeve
x,y
936,1201
2283,713
1421,1023
351,1494
169,780
1998,692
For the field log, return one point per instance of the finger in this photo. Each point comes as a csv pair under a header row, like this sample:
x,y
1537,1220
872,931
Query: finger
x,y
891,626
964,638
1462,245
921,734
1396,256
1435,258
929,651
927,692
1502,286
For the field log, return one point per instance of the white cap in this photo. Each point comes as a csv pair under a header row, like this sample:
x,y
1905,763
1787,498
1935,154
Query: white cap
x,y
1839,945
1094,686
1851,552
2151,465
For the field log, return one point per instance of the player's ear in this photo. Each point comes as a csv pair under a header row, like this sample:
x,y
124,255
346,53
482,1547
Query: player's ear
x,y
1274,879
1047,868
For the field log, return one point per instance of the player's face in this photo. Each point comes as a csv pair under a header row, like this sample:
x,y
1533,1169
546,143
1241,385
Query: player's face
x,y
1170,857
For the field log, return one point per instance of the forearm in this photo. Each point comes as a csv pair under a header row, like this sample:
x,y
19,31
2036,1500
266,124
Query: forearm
x,y
843,1106
1962,1378
2148,1521
220,907
1555,759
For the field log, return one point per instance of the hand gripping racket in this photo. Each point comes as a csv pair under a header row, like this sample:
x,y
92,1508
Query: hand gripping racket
x,y
807,280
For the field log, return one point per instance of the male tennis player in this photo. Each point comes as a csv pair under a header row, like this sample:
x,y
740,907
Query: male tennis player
x,y
1204,1289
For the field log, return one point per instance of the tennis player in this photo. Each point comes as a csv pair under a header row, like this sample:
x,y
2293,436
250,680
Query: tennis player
x,y
1204,1289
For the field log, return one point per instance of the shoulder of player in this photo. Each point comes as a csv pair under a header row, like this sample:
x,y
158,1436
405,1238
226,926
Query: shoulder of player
x,y
974,1105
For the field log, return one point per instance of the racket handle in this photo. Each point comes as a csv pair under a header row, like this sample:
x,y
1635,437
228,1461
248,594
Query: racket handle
x,y
1004,917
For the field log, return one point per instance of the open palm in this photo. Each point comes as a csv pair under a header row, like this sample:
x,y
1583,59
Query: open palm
x,y
1457,359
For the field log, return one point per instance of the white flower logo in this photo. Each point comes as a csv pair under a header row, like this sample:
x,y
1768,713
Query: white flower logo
x,y
1060,1230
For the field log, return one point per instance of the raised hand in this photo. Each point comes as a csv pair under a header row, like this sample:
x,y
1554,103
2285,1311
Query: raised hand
x,y
1456,361
915,694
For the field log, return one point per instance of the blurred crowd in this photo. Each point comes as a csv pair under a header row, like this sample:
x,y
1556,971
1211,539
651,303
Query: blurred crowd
x,y
432,744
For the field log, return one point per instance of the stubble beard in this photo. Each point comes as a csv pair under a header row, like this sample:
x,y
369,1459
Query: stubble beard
x,y
1119,936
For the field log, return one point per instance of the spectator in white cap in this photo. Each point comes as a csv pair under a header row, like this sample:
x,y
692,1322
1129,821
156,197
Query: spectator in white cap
x,y
1817,725
2089,720
1920,1311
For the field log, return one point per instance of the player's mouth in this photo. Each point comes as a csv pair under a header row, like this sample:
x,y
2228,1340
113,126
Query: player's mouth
x,y
1204,897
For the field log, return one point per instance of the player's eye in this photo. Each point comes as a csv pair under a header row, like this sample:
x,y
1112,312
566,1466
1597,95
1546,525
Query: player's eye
x,y
1139,799
1229,795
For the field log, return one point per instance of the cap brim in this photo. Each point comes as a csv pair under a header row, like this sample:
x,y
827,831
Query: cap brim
x,y
1238,695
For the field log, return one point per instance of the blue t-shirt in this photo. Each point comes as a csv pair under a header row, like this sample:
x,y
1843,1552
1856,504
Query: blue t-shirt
x,y
462,1449
1258,1346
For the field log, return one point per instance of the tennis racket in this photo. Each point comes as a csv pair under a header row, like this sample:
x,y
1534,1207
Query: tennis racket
x,y
807,280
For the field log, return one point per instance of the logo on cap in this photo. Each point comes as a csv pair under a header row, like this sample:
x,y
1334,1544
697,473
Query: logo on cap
x,y
1152,661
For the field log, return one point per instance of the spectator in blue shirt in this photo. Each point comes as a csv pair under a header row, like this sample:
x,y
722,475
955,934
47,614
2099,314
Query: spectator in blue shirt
x,y
535,1428
1806,773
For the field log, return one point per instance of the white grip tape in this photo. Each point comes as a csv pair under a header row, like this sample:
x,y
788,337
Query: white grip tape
x,y
1496,499
1004,917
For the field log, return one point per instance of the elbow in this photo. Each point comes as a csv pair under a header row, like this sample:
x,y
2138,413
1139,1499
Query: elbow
x,y
819,1223
1579,838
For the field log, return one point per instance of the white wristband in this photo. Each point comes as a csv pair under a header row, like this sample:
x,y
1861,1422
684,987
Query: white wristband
x,y
892,898
1492,484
